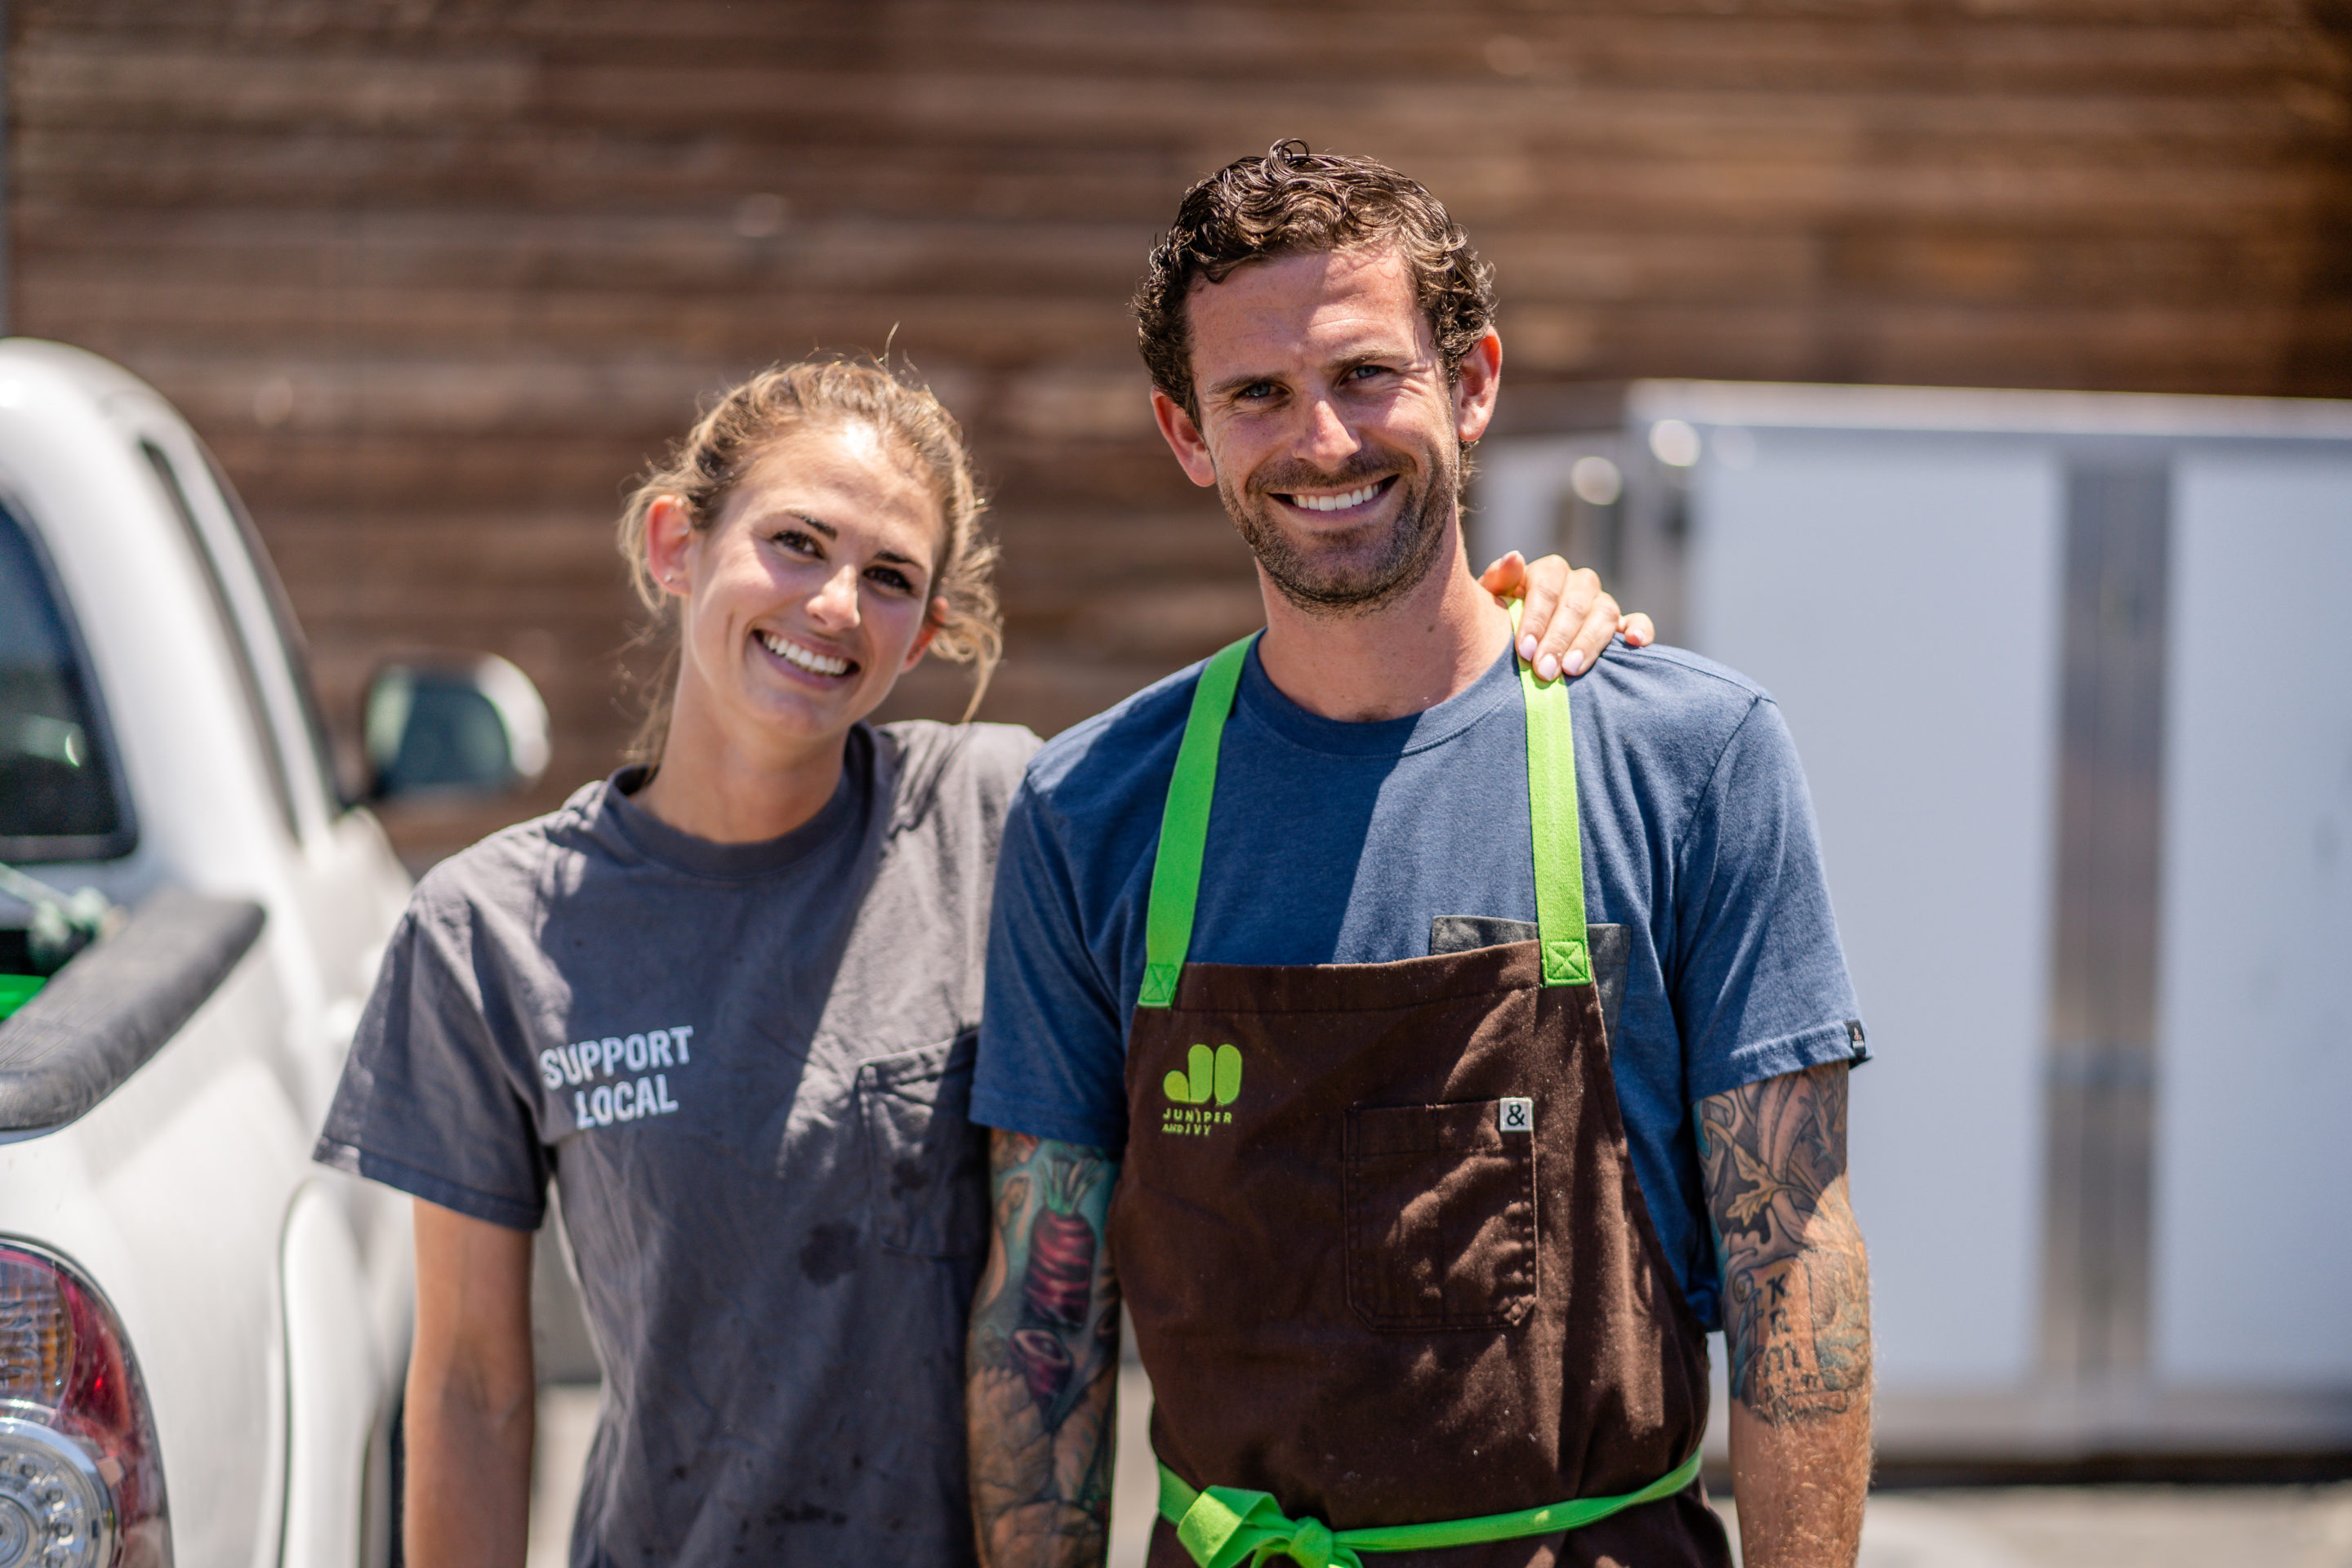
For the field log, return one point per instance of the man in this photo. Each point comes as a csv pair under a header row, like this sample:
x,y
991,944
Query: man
x,y
1434,1158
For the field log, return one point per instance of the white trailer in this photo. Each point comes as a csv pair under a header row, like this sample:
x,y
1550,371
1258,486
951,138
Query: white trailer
x,y
2072,676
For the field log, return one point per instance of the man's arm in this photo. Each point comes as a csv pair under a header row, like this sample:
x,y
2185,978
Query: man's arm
x,y
1042,1367
1796,1315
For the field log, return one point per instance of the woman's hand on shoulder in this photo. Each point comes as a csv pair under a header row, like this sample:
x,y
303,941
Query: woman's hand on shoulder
x,y
1569,618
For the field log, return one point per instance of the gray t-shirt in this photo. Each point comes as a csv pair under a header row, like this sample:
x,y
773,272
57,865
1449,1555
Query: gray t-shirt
x,y
747,1068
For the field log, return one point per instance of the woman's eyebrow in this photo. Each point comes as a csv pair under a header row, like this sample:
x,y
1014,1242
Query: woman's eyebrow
x,y
892,556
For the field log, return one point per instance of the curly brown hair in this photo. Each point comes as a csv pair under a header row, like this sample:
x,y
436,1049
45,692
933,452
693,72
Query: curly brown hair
x,y
1296,202
703,469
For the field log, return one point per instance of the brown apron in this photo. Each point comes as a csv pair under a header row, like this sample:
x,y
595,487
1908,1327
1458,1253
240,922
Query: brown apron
x,y
1380,1232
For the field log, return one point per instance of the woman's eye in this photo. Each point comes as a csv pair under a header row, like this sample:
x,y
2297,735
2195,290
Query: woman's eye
x,y
890,577
798,542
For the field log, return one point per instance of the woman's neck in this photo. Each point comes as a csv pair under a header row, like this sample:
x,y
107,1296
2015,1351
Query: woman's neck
x,y
715,790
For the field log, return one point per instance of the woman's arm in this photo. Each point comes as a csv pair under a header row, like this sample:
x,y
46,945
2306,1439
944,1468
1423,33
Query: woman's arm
x,y
471,1394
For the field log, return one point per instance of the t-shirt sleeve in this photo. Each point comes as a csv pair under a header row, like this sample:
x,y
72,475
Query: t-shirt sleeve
x,y
427,1103
1758,976
1053,1055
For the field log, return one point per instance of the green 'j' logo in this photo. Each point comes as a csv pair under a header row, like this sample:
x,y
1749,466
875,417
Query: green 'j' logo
x,y
1217,1073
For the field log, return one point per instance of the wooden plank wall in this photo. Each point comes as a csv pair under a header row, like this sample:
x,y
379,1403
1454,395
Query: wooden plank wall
x,y
435,276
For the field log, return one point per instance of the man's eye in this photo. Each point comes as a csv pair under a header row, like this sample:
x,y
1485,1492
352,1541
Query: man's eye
x,y
1257,392
1366,372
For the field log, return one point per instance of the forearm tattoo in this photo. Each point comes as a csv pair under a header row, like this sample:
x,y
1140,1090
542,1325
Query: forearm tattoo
x,y
1042,1367
1796,1284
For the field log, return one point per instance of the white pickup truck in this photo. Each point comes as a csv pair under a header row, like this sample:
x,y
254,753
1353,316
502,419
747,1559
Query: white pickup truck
x,y
202,1335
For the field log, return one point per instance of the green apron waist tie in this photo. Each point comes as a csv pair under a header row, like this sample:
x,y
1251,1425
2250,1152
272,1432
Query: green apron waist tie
x,y
1224,1527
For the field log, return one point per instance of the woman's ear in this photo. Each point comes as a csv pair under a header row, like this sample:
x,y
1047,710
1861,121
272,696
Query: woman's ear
x,y
669,536
932,618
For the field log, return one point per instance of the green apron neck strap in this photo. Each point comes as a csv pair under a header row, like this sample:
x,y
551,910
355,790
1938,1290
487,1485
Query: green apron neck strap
x,y
1559,840
1184,826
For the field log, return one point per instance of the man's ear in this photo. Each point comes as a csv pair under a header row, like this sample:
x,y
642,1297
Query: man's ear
x,y
1475,381
1183,438
669,530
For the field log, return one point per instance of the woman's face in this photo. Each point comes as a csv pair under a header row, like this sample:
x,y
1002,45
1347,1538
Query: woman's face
x,y
806,597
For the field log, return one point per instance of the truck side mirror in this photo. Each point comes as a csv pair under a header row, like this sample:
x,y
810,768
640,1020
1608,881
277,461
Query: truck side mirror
x,y
454,727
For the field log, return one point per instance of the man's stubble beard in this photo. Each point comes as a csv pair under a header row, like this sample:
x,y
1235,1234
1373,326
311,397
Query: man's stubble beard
x,y
1353,579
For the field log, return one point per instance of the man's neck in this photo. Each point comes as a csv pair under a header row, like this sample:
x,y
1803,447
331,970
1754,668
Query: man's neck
x,y
1407,656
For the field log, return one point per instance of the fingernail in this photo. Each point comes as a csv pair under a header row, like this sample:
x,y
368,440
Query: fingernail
x,y
1576,661
1548,668
1528,648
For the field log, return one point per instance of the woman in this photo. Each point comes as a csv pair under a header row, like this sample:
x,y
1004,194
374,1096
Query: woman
x,y
727,1003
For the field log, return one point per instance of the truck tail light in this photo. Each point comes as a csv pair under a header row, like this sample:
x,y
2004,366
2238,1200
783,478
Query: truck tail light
x,y
82,1483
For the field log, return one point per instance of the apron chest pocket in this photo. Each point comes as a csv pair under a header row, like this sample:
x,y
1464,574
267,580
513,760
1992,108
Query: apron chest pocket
x,y
925,1162
1441,1217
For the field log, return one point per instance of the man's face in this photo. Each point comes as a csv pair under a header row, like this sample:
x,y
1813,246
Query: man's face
x,y
1327,422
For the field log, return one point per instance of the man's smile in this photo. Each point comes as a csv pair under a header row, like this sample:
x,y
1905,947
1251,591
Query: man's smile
x,y
1363,495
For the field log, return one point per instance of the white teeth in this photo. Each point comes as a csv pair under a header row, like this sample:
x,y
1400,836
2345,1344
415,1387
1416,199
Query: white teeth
x,y
807,658
1337,503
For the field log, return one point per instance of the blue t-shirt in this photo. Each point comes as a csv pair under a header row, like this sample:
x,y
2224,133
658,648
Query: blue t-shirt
x,y
1332,842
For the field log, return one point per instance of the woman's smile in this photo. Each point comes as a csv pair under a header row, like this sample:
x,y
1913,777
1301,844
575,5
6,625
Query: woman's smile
x,y
802,657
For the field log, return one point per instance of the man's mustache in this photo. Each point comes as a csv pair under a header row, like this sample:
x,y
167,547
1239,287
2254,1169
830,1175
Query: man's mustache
x,y
1293,476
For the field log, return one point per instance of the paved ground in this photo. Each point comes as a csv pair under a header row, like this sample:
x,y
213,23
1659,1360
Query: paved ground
x,y
567,1419
2019,1527
2111,1527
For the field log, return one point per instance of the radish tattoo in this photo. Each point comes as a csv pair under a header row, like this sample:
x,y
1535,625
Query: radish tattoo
x,y
1062,1245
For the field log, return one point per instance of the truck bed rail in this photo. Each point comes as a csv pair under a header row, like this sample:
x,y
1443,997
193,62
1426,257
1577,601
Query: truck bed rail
x,y
113,1008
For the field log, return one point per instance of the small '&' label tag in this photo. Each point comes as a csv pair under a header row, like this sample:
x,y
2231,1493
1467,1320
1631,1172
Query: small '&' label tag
x,y
1515,1115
